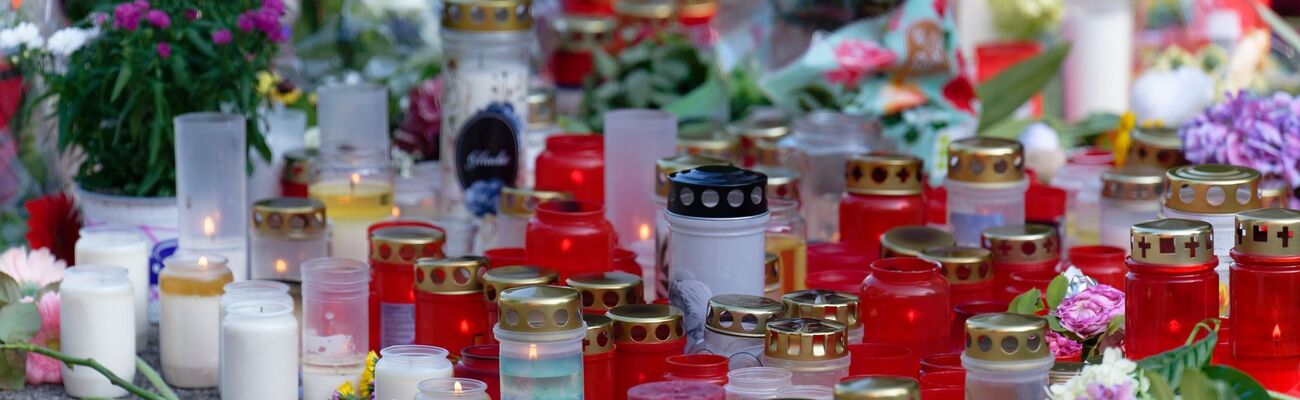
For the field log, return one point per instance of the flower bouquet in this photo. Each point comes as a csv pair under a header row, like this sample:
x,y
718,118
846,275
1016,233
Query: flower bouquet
x,y
1080,313
1261,132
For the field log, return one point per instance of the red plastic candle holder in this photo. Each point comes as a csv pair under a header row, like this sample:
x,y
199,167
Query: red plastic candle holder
x,y
598,357
1265,276
1103,263
882,359
571,237
967,270
645,335
625,261
394,247
941,362
481,362
1023,281
449,302
1020,248
677,390
1171,285
944,379
598,7
574,164
711,368
962,312
840,280
837,256
884,191
902,303
505,256
943,393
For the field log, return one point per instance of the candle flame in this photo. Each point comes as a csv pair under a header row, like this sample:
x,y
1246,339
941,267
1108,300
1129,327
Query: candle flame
x,y
532,352
209,227
281,266
397,213
456,387
1277,333
356,178
644,232
203,261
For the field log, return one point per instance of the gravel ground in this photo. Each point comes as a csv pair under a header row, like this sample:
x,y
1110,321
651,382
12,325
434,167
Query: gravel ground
x,y
150,355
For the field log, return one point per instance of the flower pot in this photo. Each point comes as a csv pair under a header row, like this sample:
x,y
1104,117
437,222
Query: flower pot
x,y
156,217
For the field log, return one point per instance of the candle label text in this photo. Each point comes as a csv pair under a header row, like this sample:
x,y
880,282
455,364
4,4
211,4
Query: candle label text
x,y
487,156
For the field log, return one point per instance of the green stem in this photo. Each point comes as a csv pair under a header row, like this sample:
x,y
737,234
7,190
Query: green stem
x,y
154,379
86,362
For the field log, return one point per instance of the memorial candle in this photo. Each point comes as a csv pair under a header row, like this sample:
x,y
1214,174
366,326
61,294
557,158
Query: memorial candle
x,y
828,305
259,351
212,186
393,254
755,383
736,326
1031,248
1213,193
635,139
986,186
598,357
762,126
297,173
481,363
823,141
356,186
449,310
573,164
93,299
878,388
542,124
968,271
603,291
497,280
401,369
711,368
334,333
189,330
123,247
452,389
1171,284
884,192
663,168
1129,195
906,302
911,240
645,335
541,333
583,36
286,232
518,205
1265,322
814,350
1159,148
571,237
787,236
1015,366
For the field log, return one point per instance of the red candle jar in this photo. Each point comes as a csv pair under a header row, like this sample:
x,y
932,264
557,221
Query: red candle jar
x,y
1020,248
840,280
711,368
911,240
598,357
677,390
640,19
1171,284
394,247
481,362
967,271
942,362
571,237
696,12
602,291
1103,263
598,7
944,379
574,164
903,302
645,335
580,37
882,359
625,261
505,256
764,125
1263,288
831,256
1023,281
497,280
449,302
296,175
962,312
884,192
829,305
943,393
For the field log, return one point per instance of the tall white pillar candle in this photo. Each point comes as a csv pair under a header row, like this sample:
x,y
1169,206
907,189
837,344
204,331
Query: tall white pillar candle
x,y
94,299
122,247
401,369
260,348
190,288
1100,65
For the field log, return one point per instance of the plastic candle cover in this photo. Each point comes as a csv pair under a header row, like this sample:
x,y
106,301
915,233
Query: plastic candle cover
x,y
259,350
787,238
574,164
986,186
414,193
1158,148
884,192
736,325
1129,195
583,34
911,240
356,186
906,301
284,131
1265,323
603,291
498,279
1103,263
570,237
676,390
764,125
481,363
212,186
598,357
664,167
962,312
837,256
814,350
882,359
809,392
1213,193
943,361
124,247
505,256
1031,248
711,368
401,369
636,138
967,270
541,333
1080,179
1171,285
645,335
945,379
518,205
353,115
287,232
459,388
393,254
189,330
840,307
877,388
93,299
449,311
335,314
1006,357
756,382
822,142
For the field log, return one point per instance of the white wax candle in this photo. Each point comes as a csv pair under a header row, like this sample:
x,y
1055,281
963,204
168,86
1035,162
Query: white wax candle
x,y
453,389
1099,68
94,300
123,247
260,351
320,381
189,326
401,369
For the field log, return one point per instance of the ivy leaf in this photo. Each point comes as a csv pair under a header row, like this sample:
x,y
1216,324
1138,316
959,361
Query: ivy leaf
x,y
1242,386
9,290
605,64
13,370
1115,324
1027,303
1056,291
123,76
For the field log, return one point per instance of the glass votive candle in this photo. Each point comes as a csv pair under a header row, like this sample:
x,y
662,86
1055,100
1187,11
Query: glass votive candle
x,y
449,310
1020,248
814,350
806,392
126,247
481,363
393,254
93,299
570,237
711,368
818,150
877,387
1171,285
882,359
498,279
401,369
518,205
189,330
677,390
212,190
452,389
944,379
736,325
911,240
765,125
645,335
541,333
603,291
986,186
884,192
754,383
286,232
787,237
356,186
962,312
1129,196
967,270
598,357
254,290
942,362
335,294
1265,323
839,280
583,34
574,164
259,350
635,139
505,256
906,302
836,256
840,307
1102,263
1006,357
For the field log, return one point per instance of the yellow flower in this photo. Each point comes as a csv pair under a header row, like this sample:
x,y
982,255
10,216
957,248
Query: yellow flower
x,y
368,376
266,82
345,389
1122,137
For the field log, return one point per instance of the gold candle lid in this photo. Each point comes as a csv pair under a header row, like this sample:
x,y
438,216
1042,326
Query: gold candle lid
x,y
1274,193
1063,371
806,339
487,15
765,153
645,9
697,8
883,174
405,244
1006,337
986,161
458,275
742,315
1027,243
298,165
289,217
1268,232
1156,147
1136,182
600,334
878,388
1172,242
1212,189
584,33
522,202
668,165
606,290
539,309
961,265
823,304
771,273
497,280
764,126
911,240
646,323
541,106
782,183
709,140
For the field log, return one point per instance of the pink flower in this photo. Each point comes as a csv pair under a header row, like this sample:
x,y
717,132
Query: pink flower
x,y
1120,391
857,59
127,15
244,22
1089,312
32,270
98,18
192,14
221,36
275,6
164,50
1062,346
42,369
158,18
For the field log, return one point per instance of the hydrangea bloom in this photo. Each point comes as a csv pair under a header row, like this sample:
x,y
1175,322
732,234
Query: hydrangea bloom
x,y
1254,131
67,41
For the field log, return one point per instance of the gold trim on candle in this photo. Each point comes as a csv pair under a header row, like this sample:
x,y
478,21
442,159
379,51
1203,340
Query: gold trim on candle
x,y
497,280
986,161
405,244
782,183
460,275
1027,243
1274,193
487,15
1156,147
606,290
742,315
298,165
645,9
1172,242
771,273
823,304
289,217
522,202
883,174
961,265
911,240
668,165
600,334
646,323
1135,182
1212,189
1006,337
1268,232
806,339
878,388
539,309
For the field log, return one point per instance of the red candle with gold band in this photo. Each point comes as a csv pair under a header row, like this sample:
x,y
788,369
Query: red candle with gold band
x,y
968,271
449,302
645,335
884,192
296,175
581,34
574,164
571,237
911,240
906,301
1263,286
598,357
640,19
603,291
1171,285
394,247
763,126
497,280
1020,248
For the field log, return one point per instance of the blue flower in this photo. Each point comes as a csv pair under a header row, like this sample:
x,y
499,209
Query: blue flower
x,y
481,196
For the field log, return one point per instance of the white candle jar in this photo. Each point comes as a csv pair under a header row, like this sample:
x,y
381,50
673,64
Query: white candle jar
x,y
664,167
123,247
541,332
259,351
755,383
1213,193
1006,357
736,326
286,232
636,139
485,76
189,330
356,187
335,334
353,115
401,369
94,299
1081,180
212,187
717,216
986,186
254,290
1129,196
828,305
452,389
518,206
815,351
822,142
1099,68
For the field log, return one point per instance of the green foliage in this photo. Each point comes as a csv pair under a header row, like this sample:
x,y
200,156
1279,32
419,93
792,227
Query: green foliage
x,y
19,322
1030,302
1002,95
10,292
653,73
1056,291
1240,385
1171,364
13,369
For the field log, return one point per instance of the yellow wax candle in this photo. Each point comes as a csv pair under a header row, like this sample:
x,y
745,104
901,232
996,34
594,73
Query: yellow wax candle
x,y
351,205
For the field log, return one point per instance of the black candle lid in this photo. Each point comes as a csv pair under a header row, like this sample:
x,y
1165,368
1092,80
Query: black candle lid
x,y
717,191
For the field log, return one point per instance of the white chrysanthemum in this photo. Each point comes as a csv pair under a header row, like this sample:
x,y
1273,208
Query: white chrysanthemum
x,y
25,34
68,40
1114,371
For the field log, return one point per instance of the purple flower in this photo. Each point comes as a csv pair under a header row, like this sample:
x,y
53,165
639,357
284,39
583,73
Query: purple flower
x,y
192,14
164,49
158,18
127,16
275,6
1121,391
1062,346
1254,131
266,21
1089,312
98,18
221,36
244,22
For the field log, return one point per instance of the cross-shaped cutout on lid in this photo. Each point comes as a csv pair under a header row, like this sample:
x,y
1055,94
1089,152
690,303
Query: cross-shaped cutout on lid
x,y
903,174
1286,234
1259,233
1191,245
1167,246
1144,246
1004,248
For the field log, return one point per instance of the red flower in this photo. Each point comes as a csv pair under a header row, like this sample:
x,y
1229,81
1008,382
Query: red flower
x,y
53,223
961,93
940,7
857,59
418,133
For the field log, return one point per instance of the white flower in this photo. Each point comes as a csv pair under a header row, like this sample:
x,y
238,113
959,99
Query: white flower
x,y
68,40
1171,97
25,34
1114,373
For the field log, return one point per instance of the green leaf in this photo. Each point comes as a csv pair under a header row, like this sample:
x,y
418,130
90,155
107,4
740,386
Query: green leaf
x,y
1171,364
1159,388
1030,302
19,322
13,369
1242,386
9,290
1115,324
1196,385
123,76
1056,291
1054,323
1002,95
1009,128
605,64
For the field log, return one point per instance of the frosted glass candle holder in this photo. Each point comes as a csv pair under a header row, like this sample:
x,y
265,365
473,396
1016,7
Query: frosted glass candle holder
x,y
354,115
284,129
259,351
212,186
401,368
335,334
356,186
93,300
636,139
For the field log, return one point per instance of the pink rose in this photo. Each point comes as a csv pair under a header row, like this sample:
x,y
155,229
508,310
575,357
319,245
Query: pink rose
x,y
1089,312
158,18
1062,346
